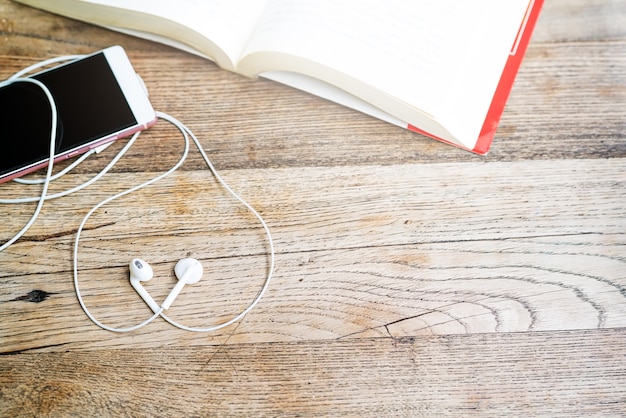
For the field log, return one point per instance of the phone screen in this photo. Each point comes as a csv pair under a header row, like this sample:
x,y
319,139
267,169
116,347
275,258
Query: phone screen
x,y
90,105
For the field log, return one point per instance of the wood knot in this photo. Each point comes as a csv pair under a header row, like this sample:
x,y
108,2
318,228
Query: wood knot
x,y
35,296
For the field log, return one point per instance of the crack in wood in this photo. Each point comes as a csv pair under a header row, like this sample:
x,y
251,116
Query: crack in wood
x,y
45,237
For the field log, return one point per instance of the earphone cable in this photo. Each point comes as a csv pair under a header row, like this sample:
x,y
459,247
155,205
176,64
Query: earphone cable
x,y
49,177
81,186
219,178
186,133
53,130
82,225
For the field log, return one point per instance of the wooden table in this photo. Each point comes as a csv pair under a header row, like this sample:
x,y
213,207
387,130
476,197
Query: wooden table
x,y
411,278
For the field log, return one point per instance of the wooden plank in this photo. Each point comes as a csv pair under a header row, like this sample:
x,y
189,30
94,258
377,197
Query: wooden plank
x,y
586,20
377,252
536,374
440,289
341,207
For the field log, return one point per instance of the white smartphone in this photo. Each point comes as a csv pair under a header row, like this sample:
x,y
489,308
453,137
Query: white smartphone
x,y
99,98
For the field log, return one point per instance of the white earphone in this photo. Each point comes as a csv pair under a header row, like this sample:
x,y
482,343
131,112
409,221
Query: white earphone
x,y
184,268
140,271
188,271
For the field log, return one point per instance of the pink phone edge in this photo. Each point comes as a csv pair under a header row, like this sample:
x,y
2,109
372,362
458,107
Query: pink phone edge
x,y
79,151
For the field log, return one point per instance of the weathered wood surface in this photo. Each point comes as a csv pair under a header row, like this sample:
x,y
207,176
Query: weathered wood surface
x,y
535,374
412,278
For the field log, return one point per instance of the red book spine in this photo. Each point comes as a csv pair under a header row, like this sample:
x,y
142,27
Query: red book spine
x,y
518,49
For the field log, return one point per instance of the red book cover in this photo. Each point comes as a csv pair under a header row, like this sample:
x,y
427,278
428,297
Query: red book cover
x,y
505,85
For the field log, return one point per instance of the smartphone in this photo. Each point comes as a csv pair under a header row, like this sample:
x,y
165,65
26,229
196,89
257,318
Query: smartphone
x,y
99,98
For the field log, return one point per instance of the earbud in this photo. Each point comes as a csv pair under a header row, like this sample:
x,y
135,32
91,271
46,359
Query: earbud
x,y
188,271
140,271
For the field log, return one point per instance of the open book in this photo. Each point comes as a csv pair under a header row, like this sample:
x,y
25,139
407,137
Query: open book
x,y
442,68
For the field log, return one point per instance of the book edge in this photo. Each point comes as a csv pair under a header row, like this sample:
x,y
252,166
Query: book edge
x,y
505,85
500,97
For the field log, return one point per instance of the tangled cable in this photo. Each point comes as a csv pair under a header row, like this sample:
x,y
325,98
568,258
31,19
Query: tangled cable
x,y
49,177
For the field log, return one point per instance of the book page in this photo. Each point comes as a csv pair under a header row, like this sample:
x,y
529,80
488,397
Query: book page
x,y
443,59
226,23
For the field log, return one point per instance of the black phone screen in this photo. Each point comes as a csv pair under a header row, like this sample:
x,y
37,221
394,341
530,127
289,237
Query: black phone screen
x,y
90,105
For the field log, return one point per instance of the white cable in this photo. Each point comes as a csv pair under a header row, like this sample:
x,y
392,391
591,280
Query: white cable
x,y
79,160
44,63
82,225
88,183
82,158
265,286
186,133
57,175
53,136
17,77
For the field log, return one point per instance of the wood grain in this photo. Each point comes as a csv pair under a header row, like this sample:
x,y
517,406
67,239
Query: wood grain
x,y
412,278
537,374
369,257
